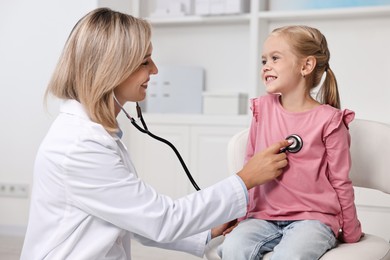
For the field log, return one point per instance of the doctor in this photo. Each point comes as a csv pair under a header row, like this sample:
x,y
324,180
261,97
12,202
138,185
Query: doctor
x,y
87,200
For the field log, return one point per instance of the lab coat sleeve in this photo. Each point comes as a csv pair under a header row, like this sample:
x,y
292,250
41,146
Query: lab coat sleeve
x,y
99,182
194,244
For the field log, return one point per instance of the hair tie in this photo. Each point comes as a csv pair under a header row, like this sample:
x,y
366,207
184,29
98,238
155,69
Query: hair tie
x,y
326,67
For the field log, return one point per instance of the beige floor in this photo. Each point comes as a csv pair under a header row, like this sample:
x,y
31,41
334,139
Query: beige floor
x,y
10,247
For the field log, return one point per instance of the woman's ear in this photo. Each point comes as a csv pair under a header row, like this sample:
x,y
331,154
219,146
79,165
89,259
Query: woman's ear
x,y
309,63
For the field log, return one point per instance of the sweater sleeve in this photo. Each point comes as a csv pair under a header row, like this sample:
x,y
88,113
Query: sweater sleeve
x,y
337,141
251,143
250,147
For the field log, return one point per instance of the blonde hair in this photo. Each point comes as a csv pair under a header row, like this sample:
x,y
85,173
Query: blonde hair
x,y
104,48
307,41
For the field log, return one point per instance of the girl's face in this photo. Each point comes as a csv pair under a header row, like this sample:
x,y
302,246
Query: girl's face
x,y
134,87
281,71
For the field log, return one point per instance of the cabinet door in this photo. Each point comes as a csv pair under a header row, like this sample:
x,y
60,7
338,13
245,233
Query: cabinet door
x,y
155,161
209,153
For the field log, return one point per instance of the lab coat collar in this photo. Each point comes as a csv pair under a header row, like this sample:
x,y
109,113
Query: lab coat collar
x,y
73,107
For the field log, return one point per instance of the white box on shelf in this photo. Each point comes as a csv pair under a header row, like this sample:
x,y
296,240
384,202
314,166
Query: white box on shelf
x,y
202,7
221,7
236,6
217,7
175,89
173,8
225,103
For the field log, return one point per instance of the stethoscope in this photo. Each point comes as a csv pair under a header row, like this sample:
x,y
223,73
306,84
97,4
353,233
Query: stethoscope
x,y
294,147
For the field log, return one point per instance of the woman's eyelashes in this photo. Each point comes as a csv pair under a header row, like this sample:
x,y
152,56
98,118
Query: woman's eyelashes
x,y
145,63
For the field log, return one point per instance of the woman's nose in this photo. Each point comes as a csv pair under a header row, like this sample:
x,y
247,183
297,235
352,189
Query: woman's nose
x,y
154,69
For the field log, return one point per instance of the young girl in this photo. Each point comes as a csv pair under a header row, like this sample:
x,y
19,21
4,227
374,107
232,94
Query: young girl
x,y
302,213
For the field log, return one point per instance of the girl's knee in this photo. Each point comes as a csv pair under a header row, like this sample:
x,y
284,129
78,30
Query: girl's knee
x,y
232,243
235,245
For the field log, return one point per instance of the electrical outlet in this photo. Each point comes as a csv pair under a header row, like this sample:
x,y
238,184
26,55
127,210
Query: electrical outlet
x,y
16,190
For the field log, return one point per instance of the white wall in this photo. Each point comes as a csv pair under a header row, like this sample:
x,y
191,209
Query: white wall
x,y
32,36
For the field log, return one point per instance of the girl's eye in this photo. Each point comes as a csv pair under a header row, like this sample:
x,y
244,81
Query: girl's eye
x,y
274,58
263,62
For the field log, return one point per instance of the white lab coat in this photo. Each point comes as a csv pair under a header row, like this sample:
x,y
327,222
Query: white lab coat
x,y
88,203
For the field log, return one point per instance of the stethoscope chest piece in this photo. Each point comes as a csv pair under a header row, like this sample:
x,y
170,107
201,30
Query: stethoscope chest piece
x,y
296,145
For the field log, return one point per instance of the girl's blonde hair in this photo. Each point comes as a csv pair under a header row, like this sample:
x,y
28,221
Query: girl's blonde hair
x,y
104,48
307,41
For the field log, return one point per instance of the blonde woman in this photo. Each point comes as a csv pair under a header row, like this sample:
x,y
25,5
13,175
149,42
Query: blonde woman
x,y
87,200
301,214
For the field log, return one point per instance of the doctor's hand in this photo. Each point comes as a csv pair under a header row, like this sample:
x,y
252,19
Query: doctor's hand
x,y
223,229
265,165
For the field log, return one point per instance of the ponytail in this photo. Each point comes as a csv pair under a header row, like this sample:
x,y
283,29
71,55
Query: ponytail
x,y
329,93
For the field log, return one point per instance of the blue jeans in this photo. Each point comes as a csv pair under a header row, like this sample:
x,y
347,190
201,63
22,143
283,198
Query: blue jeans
x,y
289,240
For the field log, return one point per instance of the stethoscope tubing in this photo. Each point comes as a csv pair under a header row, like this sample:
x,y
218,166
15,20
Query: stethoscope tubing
x,y
158,138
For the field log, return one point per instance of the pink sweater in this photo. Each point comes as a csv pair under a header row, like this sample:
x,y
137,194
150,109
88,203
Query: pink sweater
x,y
315,184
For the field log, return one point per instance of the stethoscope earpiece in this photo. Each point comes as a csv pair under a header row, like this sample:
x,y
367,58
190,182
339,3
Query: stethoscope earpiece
x,y
296,145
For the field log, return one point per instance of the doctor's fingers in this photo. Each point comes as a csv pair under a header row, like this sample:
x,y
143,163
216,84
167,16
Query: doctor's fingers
x,y
276,147
230,229
261,168
276,163
281,160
